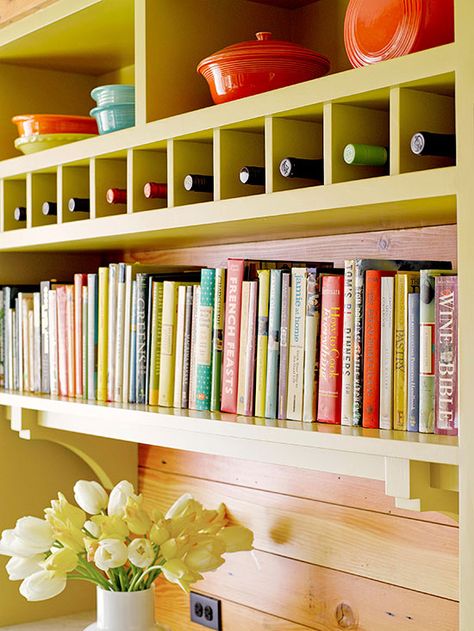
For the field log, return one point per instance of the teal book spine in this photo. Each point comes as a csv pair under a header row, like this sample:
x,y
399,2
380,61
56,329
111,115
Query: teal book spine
x,y
273,353
204,340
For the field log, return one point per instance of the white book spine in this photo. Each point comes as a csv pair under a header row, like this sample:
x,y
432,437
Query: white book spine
x,y
112,329
37,342
31,350
386,353
296,350
310,346
193,362
347,388
91,336
19,333
119,334
178,366
53,343
127,330
85,338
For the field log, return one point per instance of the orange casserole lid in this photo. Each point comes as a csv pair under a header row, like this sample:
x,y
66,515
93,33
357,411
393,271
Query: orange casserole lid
x,y
264,47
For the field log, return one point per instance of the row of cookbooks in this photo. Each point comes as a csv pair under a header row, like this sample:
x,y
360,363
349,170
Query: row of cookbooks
x,y
371,344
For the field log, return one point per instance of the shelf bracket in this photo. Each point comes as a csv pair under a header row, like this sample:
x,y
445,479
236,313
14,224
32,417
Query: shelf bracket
x,y
422,486
110,460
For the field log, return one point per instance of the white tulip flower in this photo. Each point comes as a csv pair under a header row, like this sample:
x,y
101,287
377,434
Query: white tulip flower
x,y
119,496
141,553
90,496
92,528
179,506
43,585
19,568
111,553
34,533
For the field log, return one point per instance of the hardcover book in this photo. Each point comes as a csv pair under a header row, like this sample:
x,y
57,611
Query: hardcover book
x,y
112,329
386,352
204,340
311,353
217,339
413,362
53,343
92,335
284,348
296,343
168,343
192,363
273,355
262,341
80,280
188,324
119,333
155,346
179,360
141,343
244,325
347,404
102,326
61,304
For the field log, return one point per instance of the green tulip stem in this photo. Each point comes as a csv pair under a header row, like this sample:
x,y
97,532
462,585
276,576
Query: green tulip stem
x,y
138,580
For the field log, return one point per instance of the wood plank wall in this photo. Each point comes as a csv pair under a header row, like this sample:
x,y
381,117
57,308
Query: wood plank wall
x,y
332,552
11,10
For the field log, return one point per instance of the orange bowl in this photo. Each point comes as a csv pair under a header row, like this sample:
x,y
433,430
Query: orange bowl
x,y
375,30
31,124
257,66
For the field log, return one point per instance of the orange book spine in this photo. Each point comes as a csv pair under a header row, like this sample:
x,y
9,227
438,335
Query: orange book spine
x,y
371,363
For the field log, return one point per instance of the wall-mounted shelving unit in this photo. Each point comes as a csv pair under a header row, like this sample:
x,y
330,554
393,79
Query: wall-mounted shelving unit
x,y
177,131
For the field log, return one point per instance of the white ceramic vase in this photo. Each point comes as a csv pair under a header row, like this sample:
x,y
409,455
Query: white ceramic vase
x,y
125,611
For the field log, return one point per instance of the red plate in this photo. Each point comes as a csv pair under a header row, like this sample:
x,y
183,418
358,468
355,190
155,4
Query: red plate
x,y
375,30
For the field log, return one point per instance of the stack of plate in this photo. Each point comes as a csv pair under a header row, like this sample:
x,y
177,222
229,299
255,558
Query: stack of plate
x,y
115,107
44,131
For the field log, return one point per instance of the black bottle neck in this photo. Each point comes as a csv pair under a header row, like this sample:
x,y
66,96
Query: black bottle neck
x,y
302,168
252,175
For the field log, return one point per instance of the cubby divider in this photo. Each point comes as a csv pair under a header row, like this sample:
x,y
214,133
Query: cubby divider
x,y
41,187
146,165
417,110
13,195
189,157
73,181
285,137
233,150
351,124
107,172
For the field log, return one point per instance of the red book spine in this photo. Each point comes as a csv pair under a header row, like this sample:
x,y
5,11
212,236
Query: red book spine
x,y
330,359
80,281
230,361
61,301
371,363
446,355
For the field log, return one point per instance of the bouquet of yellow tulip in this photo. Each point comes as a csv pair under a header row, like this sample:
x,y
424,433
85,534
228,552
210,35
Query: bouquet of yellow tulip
x,y
120,547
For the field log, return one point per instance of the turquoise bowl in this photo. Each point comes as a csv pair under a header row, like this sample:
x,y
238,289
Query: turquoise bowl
x,y
113,94
114,117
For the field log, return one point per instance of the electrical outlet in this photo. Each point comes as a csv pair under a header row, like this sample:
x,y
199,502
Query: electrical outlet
x,y
206,611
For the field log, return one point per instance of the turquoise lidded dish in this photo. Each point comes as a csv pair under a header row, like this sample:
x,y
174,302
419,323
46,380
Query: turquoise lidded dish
x,y
113,94
114,117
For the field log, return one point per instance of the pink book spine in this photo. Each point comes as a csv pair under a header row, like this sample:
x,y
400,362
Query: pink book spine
x,y
251,348
80,281
61,301
230,362
70,350
446,355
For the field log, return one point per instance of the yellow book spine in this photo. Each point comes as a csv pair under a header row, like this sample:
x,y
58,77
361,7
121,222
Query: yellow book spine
x,y
262,341
168,343
155,355
103,320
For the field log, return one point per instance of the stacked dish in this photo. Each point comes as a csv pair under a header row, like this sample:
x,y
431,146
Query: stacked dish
x,y
44,131
115,107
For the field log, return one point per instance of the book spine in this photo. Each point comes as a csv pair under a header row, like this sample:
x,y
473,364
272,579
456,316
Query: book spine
x,y
85,334
31,349
311,346
141,361
155,347
24,307
61,303
80,280
193,365
15,351
284,348
251,348
386,353
204,340
371,362
330,363
44,289
127,323
188,323
446,355
92,335
7,337
178,366
217,339
19,342
37,342
119,333
2,340
296,342
262,341
102,325
168,343
273,356
70,336
53,342
358,342
149,319
235,276
132,386
413,363
347,404
244,337
111,329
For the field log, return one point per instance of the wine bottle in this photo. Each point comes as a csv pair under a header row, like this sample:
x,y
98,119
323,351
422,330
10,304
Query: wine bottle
x,y
365,155
49,209
252,175
79,204
116,196
199,183
19,214
426,143
155,190
302,168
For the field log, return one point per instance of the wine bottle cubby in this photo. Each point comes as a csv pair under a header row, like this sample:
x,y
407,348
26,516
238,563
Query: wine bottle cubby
x,y
13,196
190,157
148,167
42,188
108,173
73,183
